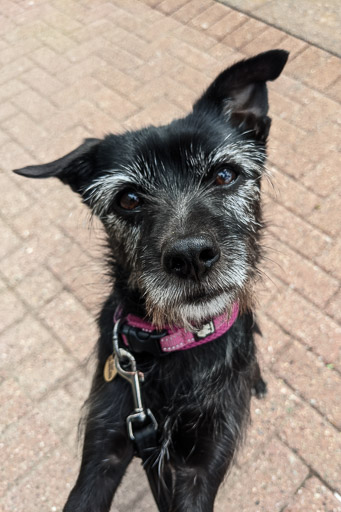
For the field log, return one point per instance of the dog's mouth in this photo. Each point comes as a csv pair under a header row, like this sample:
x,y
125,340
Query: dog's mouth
x,y
201,297
192,311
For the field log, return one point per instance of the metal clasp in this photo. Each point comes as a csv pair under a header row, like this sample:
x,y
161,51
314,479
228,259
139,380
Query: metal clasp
x,y
140,415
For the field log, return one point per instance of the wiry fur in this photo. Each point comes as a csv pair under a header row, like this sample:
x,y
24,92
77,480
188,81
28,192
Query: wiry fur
x,y
199,397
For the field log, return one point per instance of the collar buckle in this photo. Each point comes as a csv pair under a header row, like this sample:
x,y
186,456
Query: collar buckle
x,y
140,341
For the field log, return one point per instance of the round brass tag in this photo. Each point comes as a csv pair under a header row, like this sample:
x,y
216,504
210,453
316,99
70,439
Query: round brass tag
x,y
110,370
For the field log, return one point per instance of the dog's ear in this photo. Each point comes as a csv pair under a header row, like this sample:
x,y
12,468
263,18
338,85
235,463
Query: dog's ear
x,y
75,169
240,92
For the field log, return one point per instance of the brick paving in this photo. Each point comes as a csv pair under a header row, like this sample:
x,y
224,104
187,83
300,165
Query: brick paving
x,y
314,22
77,68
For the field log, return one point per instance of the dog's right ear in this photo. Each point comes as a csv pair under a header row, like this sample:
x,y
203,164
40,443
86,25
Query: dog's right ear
x,y
75,169
240,94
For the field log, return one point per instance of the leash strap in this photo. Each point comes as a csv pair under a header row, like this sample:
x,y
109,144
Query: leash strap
x,y
146,443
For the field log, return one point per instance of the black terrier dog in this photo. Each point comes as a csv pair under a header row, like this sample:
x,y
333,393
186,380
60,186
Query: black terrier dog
x,y
182,211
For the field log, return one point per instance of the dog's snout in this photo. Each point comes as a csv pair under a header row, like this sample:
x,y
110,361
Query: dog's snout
x,y
190,257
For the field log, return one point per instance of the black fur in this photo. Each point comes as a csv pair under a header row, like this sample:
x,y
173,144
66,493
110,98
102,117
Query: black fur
x,y
175,176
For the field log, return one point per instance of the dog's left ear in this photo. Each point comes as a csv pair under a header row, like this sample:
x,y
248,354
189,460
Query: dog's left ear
x,y
240,93
75,169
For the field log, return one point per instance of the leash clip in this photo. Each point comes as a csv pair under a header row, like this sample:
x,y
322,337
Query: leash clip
x,y
140,415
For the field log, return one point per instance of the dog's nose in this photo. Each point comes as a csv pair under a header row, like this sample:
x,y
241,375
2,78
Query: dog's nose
x,y
190,257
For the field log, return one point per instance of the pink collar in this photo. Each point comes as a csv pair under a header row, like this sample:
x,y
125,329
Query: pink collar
x,y
179,339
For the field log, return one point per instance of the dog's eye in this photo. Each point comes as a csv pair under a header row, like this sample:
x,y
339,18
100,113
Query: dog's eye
x,y
225,177
129,200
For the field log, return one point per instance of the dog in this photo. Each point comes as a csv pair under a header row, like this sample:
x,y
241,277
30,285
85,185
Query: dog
x,y
176,358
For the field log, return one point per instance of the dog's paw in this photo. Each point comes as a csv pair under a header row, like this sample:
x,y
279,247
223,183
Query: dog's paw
x,y
260,389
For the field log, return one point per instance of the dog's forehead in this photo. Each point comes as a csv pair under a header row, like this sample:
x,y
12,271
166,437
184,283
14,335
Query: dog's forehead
x,y
188,148
173,153
183,145
153,153
175,145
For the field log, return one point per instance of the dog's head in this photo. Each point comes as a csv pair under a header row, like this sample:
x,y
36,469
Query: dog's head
x,y
181,203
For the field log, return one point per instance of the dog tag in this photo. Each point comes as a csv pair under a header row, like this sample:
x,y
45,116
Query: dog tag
x,y
110,370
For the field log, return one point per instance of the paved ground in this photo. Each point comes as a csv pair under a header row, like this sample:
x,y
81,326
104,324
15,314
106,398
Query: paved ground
x,y
314,22
71,69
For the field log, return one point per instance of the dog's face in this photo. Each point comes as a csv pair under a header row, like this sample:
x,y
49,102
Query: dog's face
x,y
181,208
181,203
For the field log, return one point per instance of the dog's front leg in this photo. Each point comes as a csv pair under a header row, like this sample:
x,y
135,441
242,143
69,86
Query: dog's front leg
x,y
199,475
107,449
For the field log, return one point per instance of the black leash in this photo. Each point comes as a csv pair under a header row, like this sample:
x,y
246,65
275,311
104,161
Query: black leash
x,y
141,424
146,442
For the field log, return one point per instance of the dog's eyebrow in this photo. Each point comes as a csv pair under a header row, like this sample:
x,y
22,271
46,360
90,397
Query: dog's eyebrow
x,y
101,192
245,154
